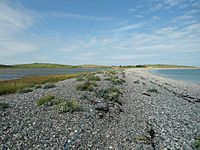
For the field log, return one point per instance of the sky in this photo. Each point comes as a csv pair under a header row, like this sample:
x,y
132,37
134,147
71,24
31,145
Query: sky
x,y
106,32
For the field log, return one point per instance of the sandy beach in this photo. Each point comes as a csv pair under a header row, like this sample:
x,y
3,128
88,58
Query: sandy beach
x,y
152,113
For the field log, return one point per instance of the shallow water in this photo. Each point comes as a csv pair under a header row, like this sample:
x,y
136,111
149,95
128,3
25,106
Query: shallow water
x,y
191,75
8,74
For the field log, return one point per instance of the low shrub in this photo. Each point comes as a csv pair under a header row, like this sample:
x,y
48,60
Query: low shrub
x,y
86,86
115,80
153,90
46,100
110,94
68,106
93,78
25,90
80,78
111,72
48,86
118,81
37,86
197,143
3,106
85,96
112,78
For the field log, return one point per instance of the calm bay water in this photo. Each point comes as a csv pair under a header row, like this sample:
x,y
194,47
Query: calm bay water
x,y
191,75
8,74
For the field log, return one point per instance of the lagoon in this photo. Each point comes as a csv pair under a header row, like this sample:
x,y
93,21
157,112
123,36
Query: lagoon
x,y
11,73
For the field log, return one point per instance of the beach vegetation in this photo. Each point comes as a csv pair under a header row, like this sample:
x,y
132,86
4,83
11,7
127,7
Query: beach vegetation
x,y
25,90
68,106
197,143
93,78
110,94
3,106
45,100
37,86
86,86
12,86
48,85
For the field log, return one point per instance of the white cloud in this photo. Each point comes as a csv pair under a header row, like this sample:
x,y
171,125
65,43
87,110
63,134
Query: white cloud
x,y
13,23
58,14
139,16
156,17
132,9
127,27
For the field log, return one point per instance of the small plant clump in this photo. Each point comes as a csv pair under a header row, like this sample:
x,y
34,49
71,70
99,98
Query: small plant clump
x,y
59,104
86,86
110,94
37,86
3,106
80,78
93,78
115,80
46,100
111,72
153,90
25,90
118,81
85,96
48,86
68,106
197,143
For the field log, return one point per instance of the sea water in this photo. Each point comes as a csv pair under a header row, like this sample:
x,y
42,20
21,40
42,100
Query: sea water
x,y
191,75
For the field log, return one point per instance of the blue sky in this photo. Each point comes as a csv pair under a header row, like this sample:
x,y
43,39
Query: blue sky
x,y
108,32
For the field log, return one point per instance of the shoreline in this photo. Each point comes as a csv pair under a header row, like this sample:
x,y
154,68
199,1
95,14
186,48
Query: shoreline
x,y
153,113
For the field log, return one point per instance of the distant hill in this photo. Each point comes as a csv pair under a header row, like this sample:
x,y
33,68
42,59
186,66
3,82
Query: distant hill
x,y
48,65
5,66
42,65
93,66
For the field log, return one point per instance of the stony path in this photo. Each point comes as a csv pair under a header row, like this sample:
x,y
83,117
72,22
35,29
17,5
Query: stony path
x,y
174,121
164,118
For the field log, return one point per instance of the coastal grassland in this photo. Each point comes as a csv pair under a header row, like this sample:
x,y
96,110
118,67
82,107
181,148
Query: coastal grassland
x,y
42,65
12,86
49,65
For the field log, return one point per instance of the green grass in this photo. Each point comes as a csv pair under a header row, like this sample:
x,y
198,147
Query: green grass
x,y
12,86
3,106
45,100
68,106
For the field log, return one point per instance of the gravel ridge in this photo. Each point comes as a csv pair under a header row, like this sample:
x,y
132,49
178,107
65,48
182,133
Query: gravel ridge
x,y
166,119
